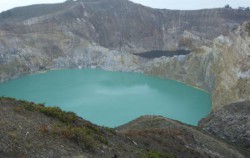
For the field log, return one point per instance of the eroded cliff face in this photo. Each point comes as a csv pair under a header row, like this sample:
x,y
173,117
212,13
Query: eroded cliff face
x,y
221,69
107,33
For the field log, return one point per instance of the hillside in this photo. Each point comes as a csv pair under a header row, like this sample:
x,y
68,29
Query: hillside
x,y
31,130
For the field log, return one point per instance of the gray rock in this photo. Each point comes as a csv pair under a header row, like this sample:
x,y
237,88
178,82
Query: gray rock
x,y
231,123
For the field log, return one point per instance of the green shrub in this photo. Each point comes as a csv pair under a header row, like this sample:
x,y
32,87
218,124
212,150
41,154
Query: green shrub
x,y
102,140
111,130
28,106
156,154
81,135
56,112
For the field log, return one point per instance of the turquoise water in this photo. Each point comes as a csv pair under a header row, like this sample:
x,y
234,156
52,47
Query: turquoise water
x,y
111,98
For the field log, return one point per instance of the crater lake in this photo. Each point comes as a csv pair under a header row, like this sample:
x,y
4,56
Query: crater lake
x,y
111,98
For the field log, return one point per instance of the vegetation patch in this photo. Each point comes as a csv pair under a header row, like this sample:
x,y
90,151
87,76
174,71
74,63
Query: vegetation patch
x,y
56,112
84,134
111,130
156,154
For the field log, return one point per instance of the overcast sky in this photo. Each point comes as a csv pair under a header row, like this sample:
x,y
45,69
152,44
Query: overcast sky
x,y
168,4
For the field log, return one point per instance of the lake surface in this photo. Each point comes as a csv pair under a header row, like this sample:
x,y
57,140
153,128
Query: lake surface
x,y
111,98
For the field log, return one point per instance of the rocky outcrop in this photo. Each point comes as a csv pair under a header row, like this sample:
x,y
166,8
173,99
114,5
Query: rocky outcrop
x,y
107,34
230,123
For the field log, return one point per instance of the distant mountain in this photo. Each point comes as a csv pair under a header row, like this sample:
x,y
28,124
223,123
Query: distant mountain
x,y
121,23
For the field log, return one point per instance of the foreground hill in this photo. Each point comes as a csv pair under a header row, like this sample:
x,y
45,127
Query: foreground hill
x,y
31,130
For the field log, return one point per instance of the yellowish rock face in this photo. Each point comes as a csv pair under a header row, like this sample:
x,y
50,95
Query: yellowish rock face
x,y
222,69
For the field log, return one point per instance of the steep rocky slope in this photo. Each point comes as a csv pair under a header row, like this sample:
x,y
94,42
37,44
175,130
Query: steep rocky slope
x,y
30,130
107,33
230,123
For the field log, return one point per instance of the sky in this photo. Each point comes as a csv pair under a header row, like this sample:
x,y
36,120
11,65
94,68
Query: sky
x,y
167,4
